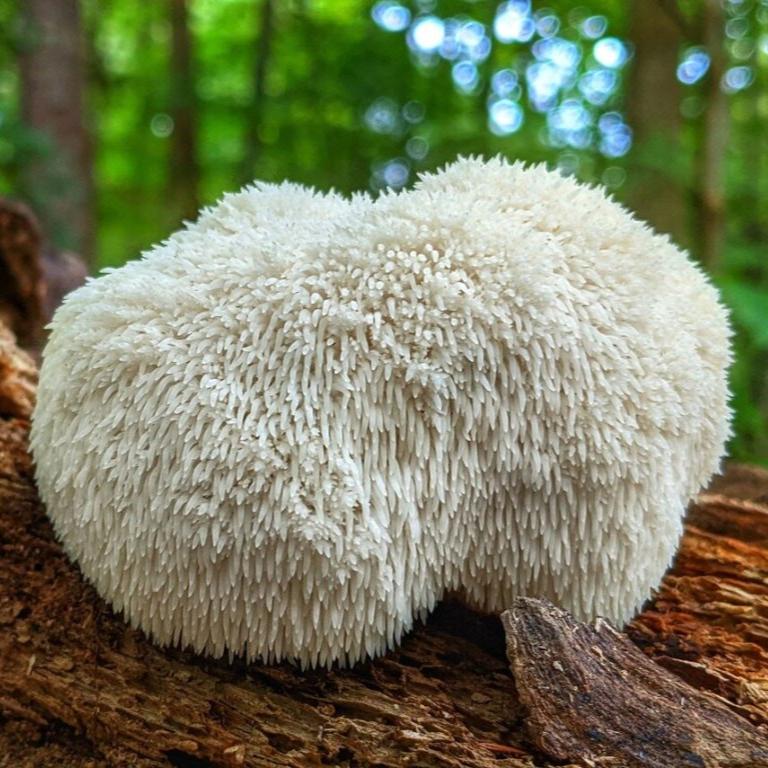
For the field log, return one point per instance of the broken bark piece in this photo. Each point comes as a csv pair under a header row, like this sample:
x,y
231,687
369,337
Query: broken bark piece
x,y
592,698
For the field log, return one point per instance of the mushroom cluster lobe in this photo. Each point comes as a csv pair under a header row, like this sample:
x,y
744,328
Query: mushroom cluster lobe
x,y
291,428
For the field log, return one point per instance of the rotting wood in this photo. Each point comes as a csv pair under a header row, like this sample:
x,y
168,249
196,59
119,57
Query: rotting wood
x,y
79,688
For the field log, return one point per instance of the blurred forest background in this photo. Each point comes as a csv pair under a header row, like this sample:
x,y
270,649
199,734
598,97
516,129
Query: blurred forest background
x,y
119,118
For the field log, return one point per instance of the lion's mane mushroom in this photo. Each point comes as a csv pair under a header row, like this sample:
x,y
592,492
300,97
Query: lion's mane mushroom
x,y
291,428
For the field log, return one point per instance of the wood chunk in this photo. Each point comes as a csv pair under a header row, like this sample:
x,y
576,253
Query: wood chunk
x,y
592,698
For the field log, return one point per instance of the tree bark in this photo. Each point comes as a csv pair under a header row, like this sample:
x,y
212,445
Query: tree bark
x,y
184,170
657,193
263,53
713,140
52,73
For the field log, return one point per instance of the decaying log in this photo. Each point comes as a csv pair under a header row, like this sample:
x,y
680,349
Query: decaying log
x,y
34,276
79,688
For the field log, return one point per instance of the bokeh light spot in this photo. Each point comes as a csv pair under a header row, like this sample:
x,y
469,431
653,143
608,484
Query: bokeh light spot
x,y
615,135
427,34
594,27
465,76
505,82
513,22
610,52
614,176
737,79
417,147
693,66
391,16
161,125
382,116
413,111
598,85
504,117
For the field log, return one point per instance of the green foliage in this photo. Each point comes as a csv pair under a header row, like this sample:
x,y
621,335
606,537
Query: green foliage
x,y
748,305
330,66
748,302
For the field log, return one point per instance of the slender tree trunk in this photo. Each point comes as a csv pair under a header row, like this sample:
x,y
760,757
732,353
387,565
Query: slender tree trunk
x,y
762,166
253,143
52,70
184,170
715,127
654,114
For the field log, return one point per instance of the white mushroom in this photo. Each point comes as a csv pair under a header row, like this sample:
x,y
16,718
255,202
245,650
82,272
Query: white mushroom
x,y
293,427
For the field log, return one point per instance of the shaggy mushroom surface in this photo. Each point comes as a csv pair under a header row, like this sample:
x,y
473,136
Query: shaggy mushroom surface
x,y
290,429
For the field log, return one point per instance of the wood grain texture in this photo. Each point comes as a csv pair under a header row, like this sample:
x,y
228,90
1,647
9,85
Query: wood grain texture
x,y
79,688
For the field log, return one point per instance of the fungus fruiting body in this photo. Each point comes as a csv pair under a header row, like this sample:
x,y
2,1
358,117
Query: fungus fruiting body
x,y
291,428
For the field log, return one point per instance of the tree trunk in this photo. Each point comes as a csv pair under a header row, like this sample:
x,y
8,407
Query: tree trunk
x,y
52,73
253,143
657,189
80,688
715,124
184,170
